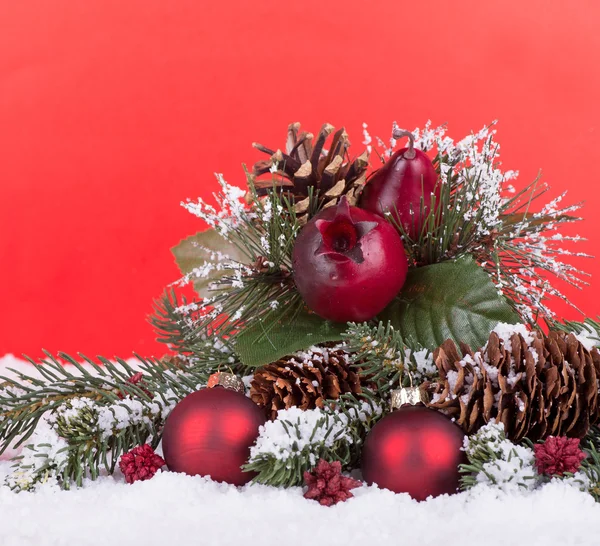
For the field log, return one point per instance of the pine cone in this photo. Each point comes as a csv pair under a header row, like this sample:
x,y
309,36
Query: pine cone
x,y
304,380
305,166
536,385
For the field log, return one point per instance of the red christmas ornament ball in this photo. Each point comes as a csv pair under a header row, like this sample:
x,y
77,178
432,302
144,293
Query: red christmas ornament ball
x,y
414,450
348,263
209,433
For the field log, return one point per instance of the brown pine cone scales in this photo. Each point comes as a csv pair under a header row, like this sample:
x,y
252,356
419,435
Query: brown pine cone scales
x,y
305,380
536,385
305,165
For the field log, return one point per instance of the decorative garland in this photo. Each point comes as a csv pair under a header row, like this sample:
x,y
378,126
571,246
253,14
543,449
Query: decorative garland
x,y
336,292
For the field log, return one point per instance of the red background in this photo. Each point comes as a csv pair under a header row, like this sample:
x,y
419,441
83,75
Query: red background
x,y
113,111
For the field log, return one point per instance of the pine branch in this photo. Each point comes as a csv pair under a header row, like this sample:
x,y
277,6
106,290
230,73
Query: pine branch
x,y
93,415
386,358
475,213
588,328
297,440
590,466
496,461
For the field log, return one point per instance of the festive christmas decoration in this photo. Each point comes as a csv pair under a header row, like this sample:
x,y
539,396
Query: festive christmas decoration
x,y
414,450
403,187
535,385
210,433
305,380
348,264
141,463
286,261
558,455
327,485
305,169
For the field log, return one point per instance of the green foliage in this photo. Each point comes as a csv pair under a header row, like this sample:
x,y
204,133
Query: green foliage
x,y
338,435
589,328
494,460
386,359
72,399
283,332
203,258
451,300
591,464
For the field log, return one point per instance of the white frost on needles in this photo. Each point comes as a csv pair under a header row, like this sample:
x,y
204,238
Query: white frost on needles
x,y
509,467
296,430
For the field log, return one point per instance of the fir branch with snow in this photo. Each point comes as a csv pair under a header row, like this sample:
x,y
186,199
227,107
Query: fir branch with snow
x,y
293,443
497,462
479,212
386,358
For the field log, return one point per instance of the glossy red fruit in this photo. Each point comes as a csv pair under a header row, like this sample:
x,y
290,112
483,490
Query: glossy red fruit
x,y
398,186
209,433
348,263
414,450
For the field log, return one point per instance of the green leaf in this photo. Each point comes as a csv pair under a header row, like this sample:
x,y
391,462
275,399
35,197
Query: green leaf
x,y
280,334
196,251
454,299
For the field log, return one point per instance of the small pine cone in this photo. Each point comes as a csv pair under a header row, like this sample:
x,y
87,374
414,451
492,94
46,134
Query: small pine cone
x,y
304,380
536,385
305,165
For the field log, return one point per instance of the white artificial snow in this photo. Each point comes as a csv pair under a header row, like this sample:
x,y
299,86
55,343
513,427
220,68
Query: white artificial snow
x,y
189,511
174,509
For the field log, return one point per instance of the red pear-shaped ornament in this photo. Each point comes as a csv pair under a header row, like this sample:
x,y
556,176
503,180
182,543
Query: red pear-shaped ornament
x,y
399,186
348,263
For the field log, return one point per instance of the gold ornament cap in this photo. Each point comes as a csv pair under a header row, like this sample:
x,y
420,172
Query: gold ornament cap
x,y
226,380
410,396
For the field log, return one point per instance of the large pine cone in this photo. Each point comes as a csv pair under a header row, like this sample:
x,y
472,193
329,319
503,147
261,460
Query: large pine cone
x,y
306,166
542,386
304,380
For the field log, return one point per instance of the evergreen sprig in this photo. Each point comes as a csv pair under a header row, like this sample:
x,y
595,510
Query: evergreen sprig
x,y
78,404
589,328
338,434
386,358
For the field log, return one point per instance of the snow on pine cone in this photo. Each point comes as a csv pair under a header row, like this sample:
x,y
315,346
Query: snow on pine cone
x,y
305,380
305,165
536,385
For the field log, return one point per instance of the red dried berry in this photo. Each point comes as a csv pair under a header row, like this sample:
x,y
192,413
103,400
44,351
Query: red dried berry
x,y
327,485
558,455
141,463
136,379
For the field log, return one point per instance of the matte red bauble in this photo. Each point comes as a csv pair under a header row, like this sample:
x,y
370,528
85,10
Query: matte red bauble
x,y
414,450
400,184
348,263
209,433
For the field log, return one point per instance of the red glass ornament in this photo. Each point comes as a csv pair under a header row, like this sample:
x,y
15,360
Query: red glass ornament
x,y
414,450
399,185
348,263
209,433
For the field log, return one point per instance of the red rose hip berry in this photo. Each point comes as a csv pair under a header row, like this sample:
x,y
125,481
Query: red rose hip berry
x,y
348,263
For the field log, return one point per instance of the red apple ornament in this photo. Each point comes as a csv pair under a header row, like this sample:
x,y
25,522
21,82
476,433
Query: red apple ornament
x,y
400,184
348,263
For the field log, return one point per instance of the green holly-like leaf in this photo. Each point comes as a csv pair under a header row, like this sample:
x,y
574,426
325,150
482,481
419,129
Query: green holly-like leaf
x,y
198,250
281,334
454,299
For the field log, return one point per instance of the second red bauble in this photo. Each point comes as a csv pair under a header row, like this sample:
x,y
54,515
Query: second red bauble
x,y
414,450
209,433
